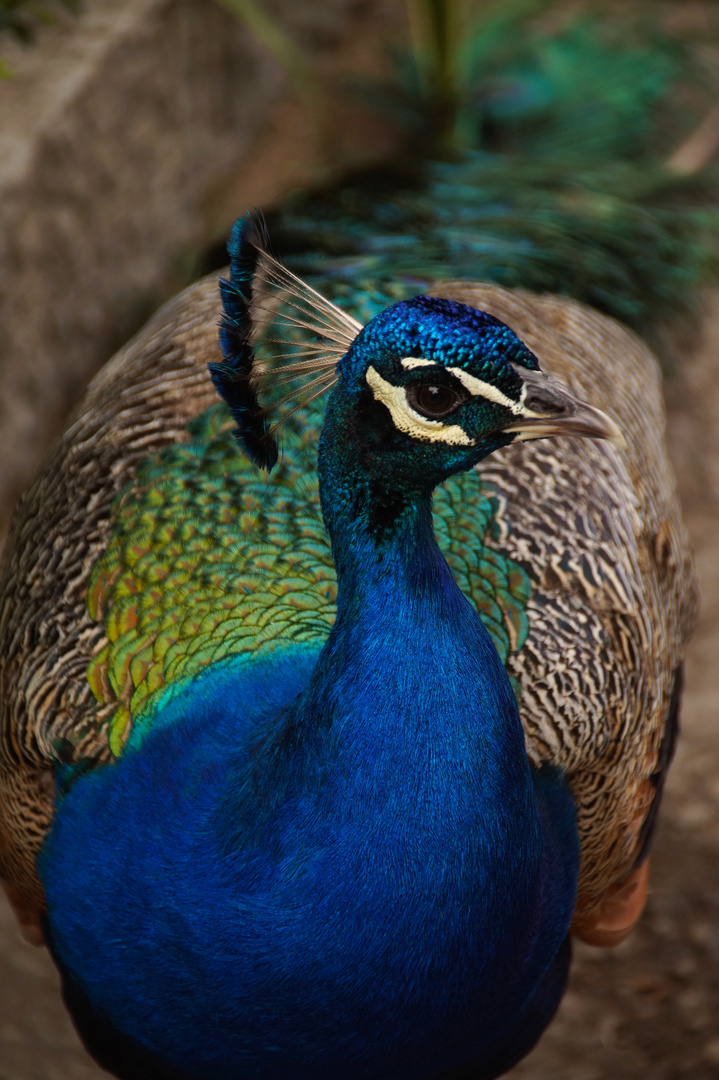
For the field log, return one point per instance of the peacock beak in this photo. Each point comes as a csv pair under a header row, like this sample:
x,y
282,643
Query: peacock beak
x,y
549,408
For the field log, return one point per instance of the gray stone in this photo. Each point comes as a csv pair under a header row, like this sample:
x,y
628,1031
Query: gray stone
x,y
113,130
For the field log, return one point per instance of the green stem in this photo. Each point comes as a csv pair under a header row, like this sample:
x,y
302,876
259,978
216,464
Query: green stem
x,y
434,26
290,57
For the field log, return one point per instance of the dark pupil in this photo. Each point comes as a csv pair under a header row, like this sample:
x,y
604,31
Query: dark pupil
x,y
433,402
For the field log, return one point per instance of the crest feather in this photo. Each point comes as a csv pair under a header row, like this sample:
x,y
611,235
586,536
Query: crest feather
x,y
281,341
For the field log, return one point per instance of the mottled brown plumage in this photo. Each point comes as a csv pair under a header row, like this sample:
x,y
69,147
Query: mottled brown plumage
x,y
614,594
597,529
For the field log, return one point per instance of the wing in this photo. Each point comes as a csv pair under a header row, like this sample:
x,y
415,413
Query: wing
x,y
613,594
63,687
140,402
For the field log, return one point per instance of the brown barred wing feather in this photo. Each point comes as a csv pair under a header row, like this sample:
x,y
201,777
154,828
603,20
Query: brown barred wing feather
x,y
613,595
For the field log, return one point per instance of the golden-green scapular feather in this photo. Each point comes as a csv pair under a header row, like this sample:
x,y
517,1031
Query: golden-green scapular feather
x,y
208,559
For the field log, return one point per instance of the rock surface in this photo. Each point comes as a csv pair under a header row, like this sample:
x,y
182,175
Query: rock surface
x,y
114,130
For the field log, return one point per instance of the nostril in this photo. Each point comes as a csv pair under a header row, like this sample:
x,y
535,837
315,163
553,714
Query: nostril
x,y
544,404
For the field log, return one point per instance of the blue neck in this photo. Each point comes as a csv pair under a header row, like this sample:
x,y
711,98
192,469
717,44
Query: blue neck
x,y
408,697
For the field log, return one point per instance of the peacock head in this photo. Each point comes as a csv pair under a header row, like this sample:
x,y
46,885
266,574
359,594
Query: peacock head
x,y
429,387
426,389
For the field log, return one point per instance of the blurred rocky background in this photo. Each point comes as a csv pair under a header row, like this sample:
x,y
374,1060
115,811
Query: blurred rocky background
x,y
132,132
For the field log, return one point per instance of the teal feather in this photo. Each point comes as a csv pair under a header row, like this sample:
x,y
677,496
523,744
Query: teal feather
x,y
554,179
232,557
619,237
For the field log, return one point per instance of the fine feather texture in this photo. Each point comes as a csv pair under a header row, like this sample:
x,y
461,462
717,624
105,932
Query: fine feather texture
x,y
353,910
277,335
233,378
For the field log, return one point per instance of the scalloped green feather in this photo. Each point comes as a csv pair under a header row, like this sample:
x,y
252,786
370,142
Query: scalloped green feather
x,y
209,560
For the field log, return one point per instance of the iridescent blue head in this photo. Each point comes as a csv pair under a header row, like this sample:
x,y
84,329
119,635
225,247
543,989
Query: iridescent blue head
x,y
429,387
448,333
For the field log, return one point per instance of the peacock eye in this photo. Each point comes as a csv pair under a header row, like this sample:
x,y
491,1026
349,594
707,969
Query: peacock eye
x,y
433,401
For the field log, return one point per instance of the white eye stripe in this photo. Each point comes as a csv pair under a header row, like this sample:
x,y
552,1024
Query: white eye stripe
x,y
411,362
476,387
479,388
407,420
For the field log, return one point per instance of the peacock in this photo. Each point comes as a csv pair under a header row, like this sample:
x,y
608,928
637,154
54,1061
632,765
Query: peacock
x,y
340,660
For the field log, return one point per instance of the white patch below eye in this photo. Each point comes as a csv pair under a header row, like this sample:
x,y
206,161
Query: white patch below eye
x,y
410,422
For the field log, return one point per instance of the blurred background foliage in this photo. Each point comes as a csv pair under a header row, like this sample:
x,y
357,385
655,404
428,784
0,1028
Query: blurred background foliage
x,y
21,18
540,143
538,148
